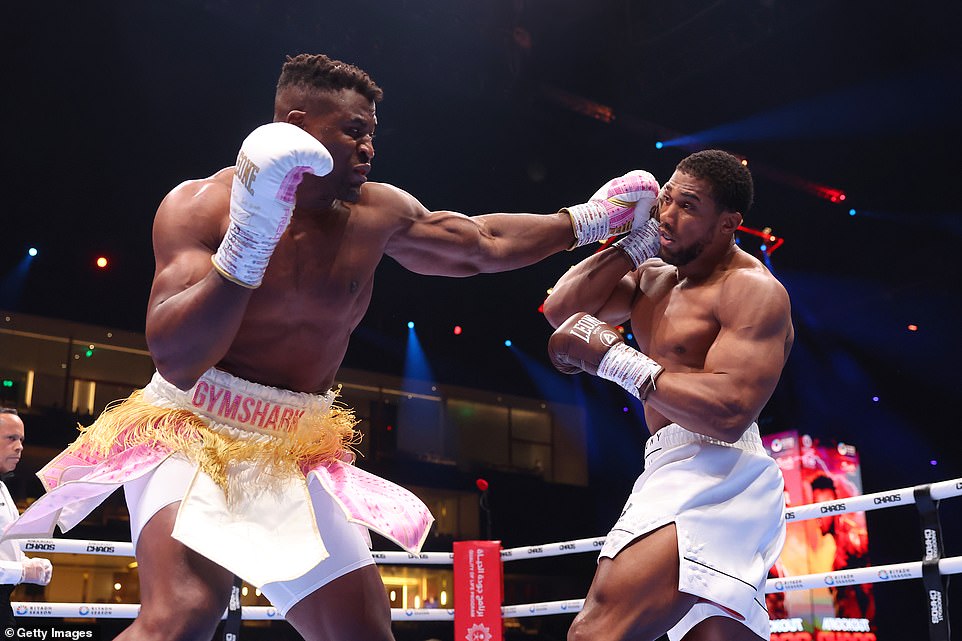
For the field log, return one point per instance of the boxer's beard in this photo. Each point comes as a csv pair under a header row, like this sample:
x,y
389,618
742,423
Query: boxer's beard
x,y
684,255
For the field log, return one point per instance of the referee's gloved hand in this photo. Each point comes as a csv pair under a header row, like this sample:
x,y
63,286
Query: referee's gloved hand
x,y
37,571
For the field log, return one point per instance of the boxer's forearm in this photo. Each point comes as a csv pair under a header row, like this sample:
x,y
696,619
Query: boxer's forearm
x,y
510,241
595,285
445,243
192,330
714,404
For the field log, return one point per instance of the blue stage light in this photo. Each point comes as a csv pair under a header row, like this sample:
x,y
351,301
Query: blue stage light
x,y
659,145
851,212
32,251
507,343
410,324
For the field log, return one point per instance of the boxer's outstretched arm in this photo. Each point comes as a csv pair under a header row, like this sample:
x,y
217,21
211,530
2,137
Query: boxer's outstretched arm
x,y
193,313
445,243
742,366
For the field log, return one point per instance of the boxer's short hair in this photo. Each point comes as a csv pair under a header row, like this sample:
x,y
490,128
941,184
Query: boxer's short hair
x,y
318,72
730,180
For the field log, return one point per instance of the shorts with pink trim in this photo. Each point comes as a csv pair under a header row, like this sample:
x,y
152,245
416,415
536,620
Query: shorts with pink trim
x,y
254,515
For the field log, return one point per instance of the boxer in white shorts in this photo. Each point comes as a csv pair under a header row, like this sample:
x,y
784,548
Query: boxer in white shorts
x,y
703,525
347,543
263,271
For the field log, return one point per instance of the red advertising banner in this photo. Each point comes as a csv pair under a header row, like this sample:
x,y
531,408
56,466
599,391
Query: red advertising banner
x,y
478,591
815,472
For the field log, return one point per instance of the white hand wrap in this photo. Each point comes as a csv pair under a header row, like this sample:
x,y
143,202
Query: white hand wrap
x,y
37,571
642,243
631,369
270,165
620,205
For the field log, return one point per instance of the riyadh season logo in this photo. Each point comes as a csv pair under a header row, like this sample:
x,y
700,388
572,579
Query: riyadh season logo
x,y
478,632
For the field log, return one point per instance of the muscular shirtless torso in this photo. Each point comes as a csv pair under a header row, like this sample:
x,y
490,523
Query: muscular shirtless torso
x,y
295,329
297,325
677,322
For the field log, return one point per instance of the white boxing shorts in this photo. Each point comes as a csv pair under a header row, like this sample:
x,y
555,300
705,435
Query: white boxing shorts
x,y
347,543
727,503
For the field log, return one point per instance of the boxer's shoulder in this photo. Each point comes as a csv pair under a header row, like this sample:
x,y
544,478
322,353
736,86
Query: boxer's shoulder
x,y
385,196
210,191
202,204
390,205
751,277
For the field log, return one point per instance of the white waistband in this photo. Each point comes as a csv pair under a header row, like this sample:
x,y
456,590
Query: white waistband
x,y
674,435
226,399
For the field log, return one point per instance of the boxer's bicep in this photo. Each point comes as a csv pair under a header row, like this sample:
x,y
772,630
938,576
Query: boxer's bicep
x,y
441,243
750,348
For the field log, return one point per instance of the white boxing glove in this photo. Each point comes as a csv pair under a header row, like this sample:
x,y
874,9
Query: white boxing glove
x,y
270,165
37,571
621,204
642,242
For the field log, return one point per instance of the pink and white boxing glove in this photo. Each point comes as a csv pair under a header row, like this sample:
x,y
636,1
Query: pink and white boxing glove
x,y
270,165
621,204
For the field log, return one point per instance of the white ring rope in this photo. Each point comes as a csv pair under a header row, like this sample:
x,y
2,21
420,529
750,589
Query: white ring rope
x,y
877,501
875,574
863,503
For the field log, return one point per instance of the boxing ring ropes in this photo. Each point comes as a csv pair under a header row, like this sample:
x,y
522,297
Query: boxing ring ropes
x,y
932,569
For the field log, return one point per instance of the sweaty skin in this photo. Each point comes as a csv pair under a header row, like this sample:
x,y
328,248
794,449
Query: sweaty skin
x,y
293,331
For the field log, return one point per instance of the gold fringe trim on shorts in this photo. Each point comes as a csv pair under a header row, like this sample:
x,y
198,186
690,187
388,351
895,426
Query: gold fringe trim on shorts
x,y
133,422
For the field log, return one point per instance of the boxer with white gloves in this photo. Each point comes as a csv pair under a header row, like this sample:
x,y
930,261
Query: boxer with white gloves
x,y
263,271
585,344
690,553
619,205
270,165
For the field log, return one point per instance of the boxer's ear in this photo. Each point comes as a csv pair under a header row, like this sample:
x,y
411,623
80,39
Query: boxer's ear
x,y
730,221
296,117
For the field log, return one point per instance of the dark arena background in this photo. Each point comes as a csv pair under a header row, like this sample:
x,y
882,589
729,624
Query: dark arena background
x,y
847,113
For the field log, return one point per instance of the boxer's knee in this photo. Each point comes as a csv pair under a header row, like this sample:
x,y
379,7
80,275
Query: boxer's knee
x,y
178,620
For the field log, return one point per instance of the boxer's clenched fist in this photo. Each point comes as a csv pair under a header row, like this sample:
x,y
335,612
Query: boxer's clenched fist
x,y
621,204
584,343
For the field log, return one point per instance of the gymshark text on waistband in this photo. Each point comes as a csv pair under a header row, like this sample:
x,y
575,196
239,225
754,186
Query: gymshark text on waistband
x,y
233,406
